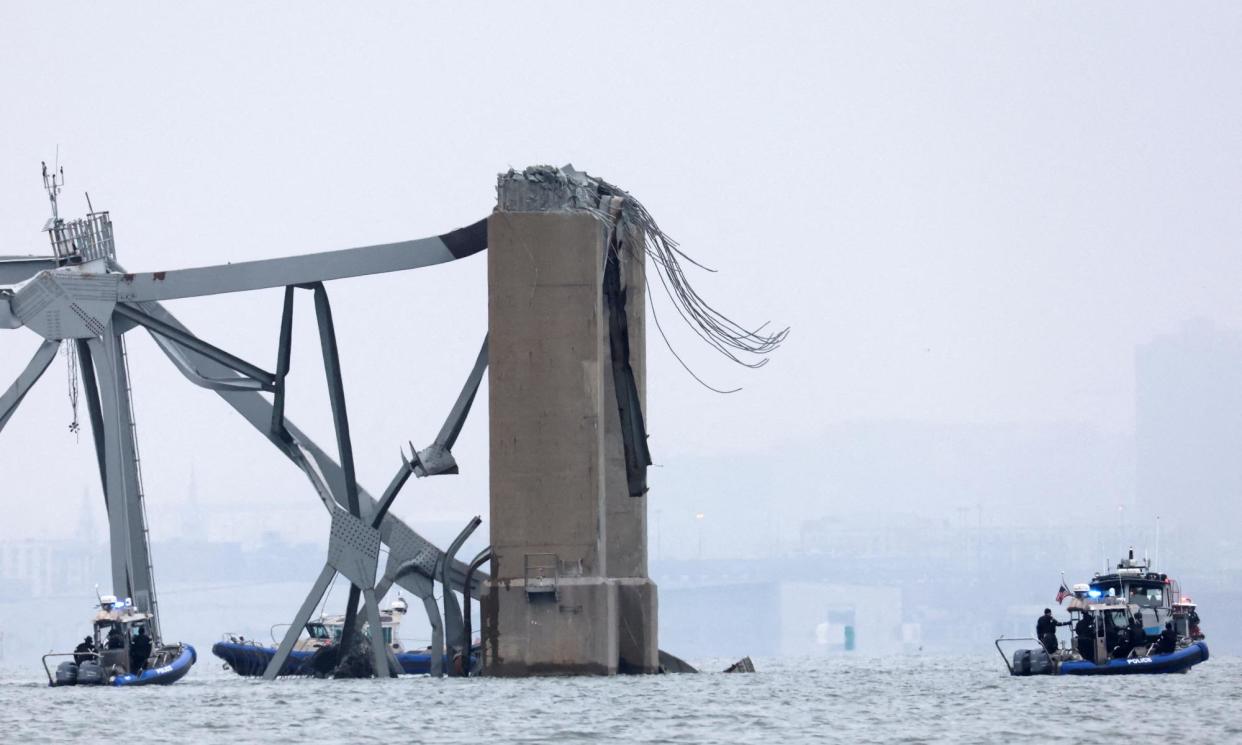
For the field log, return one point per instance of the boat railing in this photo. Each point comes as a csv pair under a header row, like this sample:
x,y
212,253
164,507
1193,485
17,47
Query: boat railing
x,y
235,638
48,670
272,631
1008,665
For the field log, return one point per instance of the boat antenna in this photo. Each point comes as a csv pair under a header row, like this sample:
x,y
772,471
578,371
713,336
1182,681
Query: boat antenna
x,y
1157,556
53,182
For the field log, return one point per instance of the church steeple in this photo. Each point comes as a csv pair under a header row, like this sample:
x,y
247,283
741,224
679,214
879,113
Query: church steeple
x,y
194,523
86,520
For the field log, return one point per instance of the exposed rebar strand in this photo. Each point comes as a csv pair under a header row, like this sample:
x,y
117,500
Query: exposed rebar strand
x,y
567,188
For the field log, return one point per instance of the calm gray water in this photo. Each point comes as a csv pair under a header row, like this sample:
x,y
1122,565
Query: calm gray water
x,y
856,700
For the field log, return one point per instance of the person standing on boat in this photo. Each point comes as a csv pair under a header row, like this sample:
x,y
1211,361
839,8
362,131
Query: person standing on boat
x,y
1085,633
1193,619
84,651
1046,630
115,640
1131,636
139,651
1167,641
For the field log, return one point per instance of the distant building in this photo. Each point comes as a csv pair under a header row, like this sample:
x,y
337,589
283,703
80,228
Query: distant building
x,y
1188,429
39,568
782,619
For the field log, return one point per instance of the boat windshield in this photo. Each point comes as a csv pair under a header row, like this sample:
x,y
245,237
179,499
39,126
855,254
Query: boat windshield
x,y
1144,592
1148,597
1119,619
317,630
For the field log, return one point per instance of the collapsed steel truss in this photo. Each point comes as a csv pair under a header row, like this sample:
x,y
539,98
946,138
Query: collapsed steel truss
x,y
82,295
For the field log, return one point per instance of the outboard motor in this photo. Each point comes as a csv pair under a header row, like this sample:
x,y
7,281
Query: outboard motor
x,y
90,672
1032,662
67,673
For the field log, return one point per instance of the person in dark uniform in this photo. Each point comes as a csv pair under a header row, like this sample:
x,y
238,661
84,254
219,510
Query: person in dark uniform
x,y
84,651
1046,630
1195,633
1138,633
115,640
139,651
1085,633
1167,641
1130,637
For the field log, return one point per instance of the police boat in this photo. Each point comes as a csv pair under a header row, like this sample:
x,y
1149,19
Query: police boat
x,y
311,655
1131,621
124,649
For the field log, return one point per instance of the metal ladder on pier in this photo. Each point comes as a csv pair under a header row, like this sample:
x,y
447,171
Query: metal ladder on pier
x,y
139,491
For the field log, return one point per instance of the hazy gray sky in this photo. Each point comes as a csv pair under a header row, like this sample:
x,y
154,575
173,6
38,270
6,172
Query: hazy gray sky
x,y
969,212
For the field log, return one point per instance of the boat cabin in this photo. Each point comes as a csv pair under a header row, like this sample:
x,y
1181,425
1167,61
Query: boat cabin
x,y
116,630
1134,582
327,629
1111,617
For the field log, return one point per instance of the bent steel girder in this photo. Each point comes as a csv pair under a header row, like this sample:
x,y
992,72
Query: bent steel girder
x,y
306,269
14,269
321,468
453,626
479,559
76,302
38,364
277,664
411,575
353,548
363,580
259,379
437,458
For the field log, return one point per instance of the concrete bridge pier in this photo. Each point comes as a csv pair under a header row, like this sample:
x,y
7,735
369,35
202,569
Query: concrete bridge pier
x,y
569,592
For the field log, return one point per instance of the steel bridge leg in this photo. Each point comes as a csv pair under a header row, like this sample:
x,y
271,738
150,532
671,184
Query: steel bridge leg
x,y
131,566
480,558
437,634
340,420
422,588
38,364
91,386
379,650
282,367
299,622
453,625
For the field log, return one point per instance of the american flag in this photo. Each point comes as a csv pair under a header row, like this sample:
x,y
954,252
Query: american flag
x,y
1063,593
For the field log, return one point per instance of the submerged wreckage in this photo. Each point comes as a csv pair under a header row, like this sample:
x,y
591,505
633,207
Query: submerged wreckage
x,y
571,259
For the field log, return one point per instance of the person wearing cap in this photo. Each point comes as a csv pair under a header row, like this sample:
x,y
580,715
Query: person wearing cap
x,y
84,651
1046,630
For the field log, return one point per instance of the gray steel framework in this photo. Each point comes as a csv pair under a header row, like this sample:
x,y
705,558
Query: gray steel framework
x,y
93,301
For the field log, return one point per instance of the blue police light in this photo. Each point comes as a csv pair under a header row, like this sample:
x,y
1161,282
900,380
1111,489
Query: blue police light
x,y
1094,593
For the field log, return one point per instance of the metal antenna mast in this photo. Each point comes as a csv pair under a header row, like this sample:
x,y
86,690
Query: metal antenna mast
x,y
53,182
